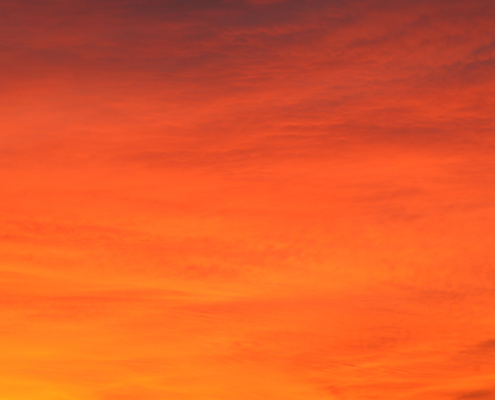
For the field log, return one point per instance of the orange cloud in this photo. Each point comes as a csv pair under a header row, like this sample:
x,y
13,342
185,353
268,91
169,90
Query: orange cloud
x,y
246,199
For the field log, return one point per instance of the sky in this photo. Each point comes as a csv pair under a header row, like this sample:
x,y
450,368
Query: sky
x,y
247,199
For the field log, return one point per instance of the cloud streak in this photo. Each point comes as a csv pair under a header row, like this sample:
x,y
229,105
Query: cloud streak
x,y
246,199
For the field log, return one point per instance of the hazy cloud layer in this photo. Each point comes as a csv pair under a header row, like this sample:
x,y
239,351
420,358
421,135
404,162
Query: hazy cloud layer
x,y
247,200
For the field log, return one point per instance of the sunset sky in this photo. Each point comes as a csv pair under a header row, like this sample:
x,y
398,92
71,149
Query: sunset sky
x,y
247,200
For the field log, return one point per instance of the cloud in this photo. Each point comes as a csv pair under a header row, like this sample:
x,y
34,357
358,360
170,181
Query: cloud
x,y
247,199
165,83
477,394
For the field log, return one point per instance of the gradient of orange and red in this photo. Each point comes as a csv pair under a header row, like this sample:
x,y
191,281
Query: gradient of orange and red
x,y
247,199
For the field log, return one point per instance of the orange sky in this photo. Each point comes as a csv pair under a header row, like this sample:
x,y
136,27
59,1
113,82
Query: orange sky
x,y
247,200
